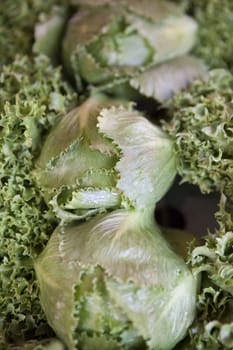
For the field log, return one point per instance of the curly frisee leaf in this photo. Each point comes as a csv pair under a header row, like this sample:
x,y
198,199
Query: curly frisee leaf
x,y
27,107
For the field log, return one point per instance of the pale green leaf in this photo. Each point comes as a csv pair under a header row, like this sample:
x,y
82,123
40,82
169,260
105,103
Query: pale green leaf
x,y
147,164
161,82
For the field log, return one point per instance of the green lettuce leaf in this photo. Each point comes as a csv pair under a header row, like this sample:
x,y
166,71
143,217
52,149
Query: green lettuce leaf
x,y
143,179
162,81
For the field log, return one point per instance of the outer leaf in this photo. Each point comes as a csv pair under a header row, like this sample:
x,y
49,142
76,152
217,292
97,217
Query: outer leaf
x,y
79,123
147,164
72,164
160,315
153,10
45,344
98,342
163,81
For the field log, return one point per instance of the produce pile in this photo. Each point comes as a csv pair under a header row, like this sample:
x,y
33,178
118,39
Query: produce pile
x,y
104,106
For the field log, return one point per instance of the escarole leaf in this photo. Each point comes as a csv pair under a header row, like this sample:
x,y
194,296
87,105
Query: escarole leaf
x,y
161,82
147,164
130,288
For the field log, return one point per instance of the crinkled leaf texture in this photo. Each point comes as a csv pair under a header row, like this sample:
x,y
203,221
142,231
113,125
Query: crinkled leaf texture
x,y
28,91
216,257
85,168
214,261
214,42
17,23
201,127
114,280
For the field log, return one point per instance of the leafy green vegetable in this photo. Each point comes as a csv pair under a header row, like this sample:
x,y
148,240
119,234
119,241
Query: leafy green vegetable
x,y
212,328
124,38
33,95
17,22
48,33
162,81
114,282
214,40
201,127
85,167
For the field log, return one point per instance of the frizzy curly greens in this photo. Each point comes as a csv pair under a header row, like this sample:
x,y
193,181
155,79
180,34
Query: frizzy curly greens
x,y
33,95
201,127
